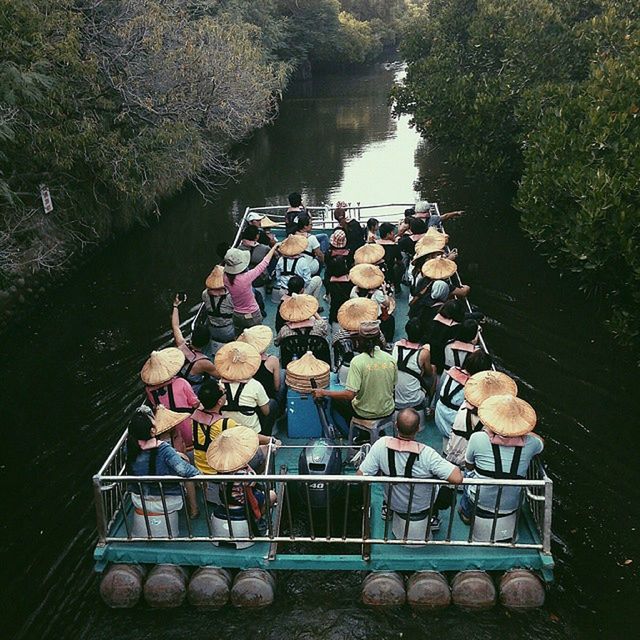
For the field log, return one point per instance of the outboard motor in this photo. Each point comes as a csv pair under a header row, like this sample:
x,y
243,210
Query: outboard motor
x,y
321,458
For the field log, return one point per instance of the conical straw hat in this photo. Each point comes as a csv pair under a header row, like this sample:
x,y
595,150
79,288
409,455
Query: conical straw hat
x,y
437,241
258,336
485,384
294,245
507,415
300,306
232,449
308,366
267,223
164,419
237,361
366,276
369,254
424,250
439,268
432,232
214,280
162,365
357,310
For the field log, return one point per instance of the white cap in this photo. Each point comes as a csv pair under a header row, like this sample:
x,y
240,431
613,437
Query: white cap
x,y
253,216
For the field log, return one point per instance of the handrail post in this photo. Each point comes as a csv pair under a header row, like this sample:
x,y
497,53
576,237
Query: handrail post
x,y
366,521
101,520
548,507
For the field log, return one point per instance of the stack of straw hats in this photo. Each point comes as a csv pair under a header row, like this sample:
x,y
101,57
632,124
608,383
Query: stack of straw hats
x,y
299,307
355,311
366,276
439,268
300,373
236,361
162,366
369,254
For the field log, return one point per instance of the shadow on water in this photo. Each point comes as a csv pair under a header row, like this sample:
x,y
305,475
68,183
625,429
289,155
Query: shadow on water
x,y
70,378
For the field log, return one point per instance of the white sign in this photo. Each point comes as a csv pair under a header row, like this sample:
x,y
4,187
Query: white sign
x,y
47,203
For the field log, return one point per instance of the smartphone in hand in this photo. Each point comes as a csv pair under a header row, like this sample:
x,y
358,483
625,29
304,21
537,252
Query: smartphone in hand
x,y
182,296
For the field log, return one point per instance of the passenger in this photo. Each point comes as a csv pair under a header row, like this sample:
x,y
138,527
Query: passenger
x,y
312,250
293,261
352,228
345,341
208,424
238,363
407,243
427,303
369,283
295,209
339,286
466,342
239,283
231,453
164,386
197,366
217,302
451,395
502,450
444,328
149,456
337,247
372,229
295,285
479,387
416,376
371,379
300,312
424,252
403,457
257,251
392,254
426,212
262,223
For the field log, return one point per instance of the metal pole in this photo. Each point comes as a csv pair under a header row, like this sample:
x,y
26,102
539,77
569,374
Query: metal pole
x,y
101,520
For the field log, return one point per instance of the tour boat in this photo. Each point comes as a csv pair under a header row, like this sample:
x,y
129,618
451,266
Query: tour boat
x,y
218,558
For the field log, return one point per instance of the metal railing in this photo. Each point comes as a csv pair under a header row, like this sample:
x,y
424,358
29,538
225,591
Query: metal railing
x,y
345,515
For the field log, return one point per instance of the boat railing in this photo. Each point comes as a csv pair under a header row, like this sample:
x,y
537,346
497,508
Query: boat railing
x,y
345,516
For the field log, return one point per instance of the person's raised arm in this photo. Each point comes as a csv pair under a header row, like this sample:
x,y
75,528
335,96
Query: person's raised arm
x,y
252,274
450,214
175,321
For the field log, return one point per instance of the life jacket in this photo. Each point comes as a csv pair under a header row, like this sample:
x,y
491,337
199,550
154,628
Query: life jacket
x,y
497,471
469,428
456,381
233,402
167,389
397,445
404,355
447,322
307,252
344,278
191,357
289,271
216,304
457,347
202,423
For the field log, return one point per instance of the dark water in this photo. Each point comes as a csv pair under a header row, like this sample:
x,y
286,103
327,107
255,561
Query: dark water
x,y
70,374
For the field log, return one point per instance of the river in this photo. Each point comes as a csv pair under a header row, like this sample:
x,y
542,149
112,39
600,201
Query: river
x,y
71,374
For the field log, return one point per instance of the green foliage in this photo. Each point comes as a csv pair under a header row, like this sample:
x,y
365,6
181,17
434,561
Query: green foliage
x,y
357,43
549,91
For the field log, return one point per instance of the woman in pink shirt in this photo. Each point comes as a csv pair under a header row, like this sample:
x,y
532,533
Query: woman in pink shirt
x,y
239,283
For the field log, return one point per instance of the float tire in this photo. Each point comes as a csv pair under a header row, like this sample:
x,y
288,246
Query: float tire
x,y
121,585
383,589
166,586
209,588
521,590
473,590
253,589
427,590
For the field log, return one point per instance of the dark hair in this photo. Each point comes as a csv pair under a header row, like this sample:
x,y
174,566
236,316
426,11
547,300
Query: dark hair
x,y
408,422
386,228
251,232
200,336
409,212
417,225
372,223
338,266
339,213
413,329
368,344
477,361
468,330
140,427
453,310
295,199
302,221
295,285
209,394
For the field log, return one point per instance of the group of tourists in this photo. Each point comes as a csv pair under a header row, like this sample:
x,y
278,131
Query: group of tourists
x,y
213,398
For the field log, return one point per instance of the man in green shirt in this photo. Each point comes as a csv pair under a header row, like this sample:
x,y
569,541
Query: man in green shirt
x,y
371,380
